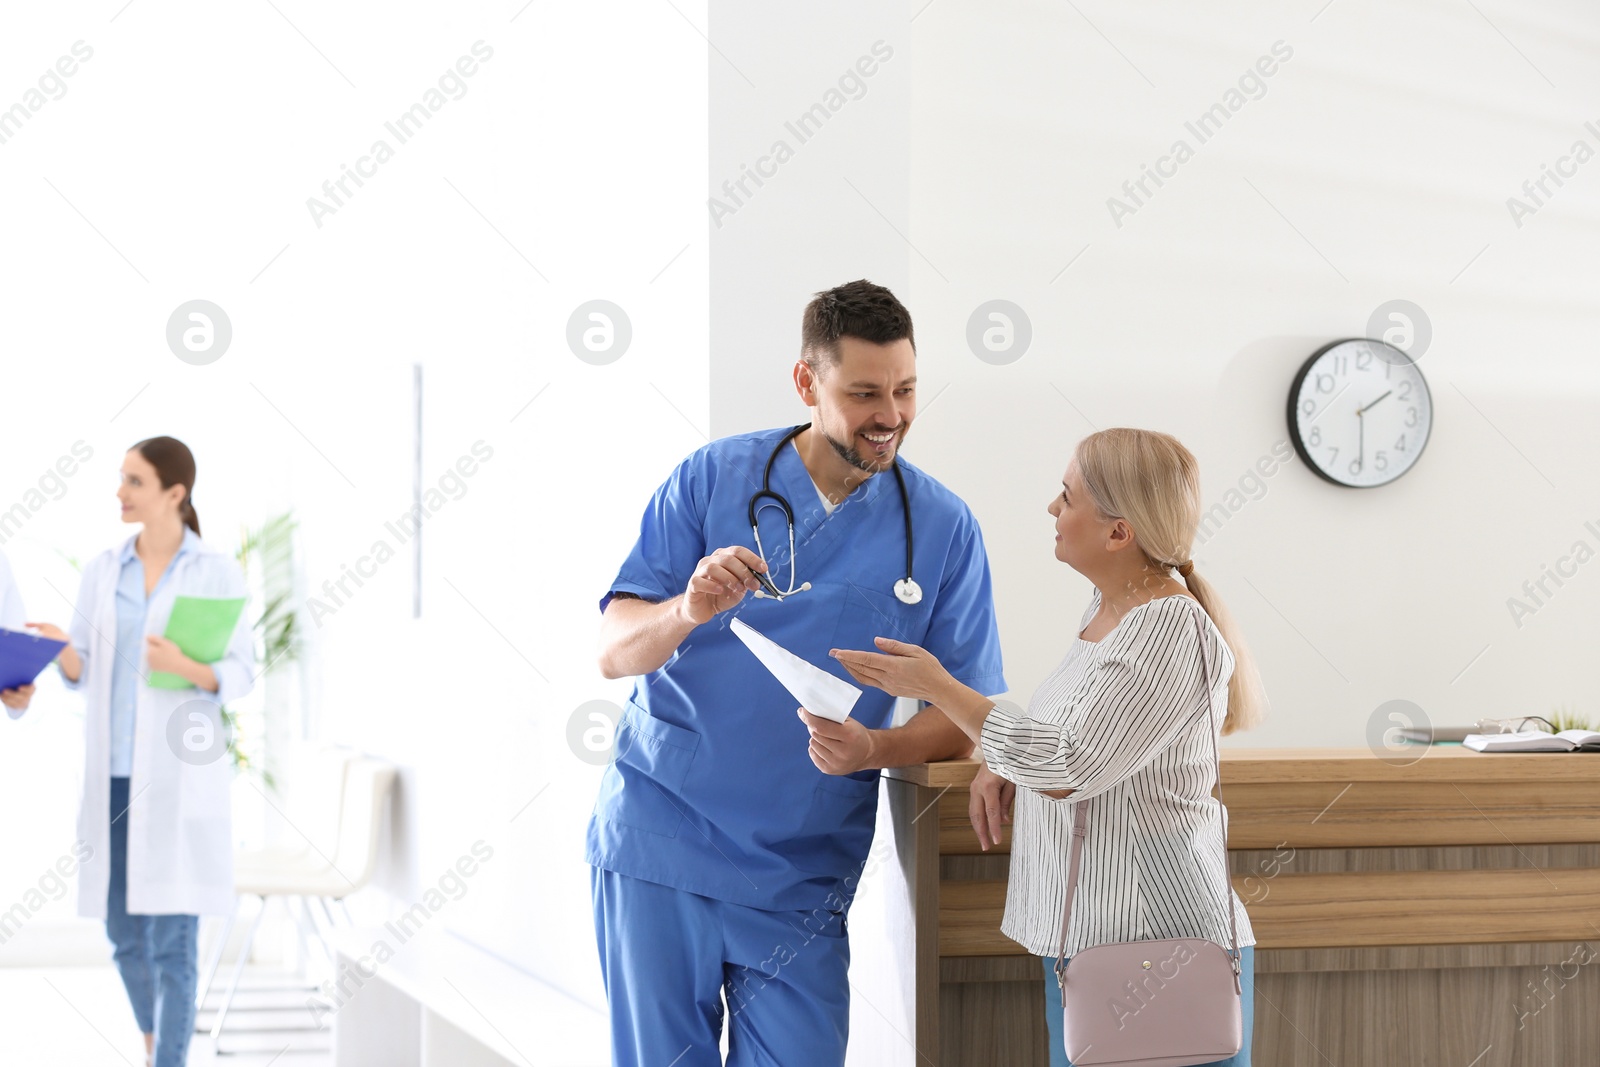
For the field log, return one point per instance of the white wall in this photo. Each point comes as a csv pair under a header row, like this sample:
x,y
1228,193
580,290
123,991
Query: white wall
x,y
570,169
595,182
1390,141
810,166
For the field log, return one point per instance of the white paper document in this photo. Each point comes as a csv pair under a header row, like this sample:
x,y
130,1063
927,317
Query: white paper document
x,y
817,691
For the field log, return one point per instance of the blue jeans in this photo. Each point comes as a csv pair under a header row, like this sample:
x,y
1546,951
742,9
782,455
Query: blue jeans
x,y
157,955
1247,1011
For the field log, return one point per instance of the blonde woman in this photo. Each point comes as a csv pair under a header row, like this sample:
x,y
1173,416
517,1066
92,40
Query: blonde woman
x,y
1119,723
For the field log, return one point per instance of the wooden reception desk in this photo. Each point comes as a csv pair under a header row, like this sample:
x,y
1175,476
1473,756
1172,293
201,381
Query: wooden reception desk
x,y
1441,910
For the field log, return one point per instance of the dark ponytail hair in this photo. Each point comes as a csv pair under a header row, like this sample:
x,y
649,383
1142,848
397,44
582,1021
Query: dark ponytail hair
x,y
174,465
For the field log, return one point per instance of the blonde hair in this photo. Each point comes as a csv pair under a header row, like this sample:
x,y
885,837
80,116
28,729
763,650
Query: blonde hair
x,y
1152,482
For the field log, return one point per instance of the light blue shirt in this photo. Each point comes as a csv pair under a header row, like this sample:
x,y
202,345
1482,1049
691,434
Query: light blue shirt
x,y
132,608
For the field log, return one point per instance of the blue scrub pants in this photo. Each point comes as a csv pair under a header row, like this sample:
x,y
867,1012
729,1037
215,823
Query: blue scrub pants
x,y
1247,1011
157,955
669,957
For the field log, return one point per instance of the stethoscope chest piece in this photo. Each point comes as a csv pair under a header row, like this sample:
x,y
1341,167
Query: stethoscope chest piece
x,y
908,591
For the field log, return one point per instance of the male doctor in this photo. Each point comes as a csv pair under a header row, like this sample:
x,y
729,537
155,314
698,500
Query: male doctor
x,y
732,828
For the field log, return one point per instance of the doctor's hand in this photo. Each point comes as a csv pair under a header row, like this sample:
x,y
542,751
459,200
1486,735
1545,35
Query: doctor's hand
x,y
899,669
163,655
838,747
16,699
721,581
989,805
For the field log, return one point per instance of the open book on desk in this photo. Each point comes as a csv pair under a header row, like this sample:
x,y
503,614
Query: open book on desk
x,y
1535,741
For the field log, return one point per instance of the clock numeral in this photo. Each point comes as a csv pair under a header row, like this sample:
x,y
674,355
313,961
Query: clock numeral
x,y
1334,454
1380,461
1400,445
1411,418
1308,407
1363,360
1405,391
1316,436
1341,365
1324,383
1355,466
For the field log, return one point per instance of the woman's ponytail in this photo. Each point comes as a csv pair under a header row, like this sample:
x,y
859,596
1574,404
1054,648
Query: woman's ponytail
x,y
1247,697
174,465
190,518
1153,481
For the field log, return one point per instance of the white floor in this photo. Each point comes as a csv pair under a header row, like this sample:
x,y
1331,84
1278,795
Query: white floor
x,y
79,1017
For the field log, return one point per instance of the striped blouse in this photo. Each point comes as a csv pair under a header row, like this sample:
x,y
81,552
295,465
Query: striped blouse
x,y
1120,723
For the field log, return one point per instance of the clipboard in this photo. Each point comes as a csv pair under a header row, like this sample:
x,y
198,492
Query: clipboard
x,y
23,655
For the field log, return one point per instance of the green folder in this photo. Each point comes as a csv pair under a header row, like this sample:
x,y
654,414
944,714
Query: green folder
x,y
201,626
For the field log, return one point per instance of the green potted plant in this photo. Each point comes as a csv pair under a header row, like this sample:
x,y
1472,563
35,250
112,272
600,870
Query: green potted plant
x,y
266,555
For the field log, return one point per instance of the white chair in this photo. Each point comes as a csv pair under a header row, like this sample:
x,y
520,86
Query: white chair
x,y
313,798
367,784
314,781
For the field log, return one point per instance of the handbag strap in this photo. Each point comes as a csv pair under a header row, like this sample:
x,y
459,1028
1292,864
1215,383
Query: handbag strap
x,y
1080,826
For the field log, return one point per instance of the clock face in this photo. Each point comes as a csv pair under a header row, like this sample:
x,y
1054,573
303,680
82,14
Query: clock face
x,y
1360,413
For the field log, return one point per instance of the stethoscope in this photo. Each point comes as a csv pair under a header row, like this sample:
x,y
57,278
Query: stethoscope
x,y
906,589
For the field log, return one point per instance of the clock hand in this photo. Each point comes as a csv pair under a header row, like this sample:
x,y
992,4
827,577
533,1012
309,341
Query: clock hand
x,y
1369,407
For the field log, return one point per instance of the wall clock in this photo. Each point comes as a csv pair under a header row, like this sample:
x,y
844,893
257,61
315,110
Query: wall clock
x,y
1360,413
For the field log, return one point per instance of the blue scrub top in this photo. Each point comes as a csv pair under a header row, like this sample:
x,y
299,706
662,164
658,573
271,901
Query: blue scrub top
x,y
711,789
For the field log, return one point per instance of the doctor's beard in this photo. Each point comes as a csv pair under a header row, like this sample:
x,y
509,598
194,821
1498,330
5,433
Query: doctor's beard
x,y
850,455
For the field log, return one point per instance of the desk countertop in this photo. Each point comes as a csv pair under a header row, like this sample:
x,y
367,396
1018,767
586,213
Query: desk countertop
x,y
1434,763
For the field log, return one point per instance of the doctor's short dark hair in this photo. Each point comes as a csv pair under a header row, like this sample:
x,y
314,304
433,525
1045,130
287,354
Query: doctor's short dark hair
x,y
857,309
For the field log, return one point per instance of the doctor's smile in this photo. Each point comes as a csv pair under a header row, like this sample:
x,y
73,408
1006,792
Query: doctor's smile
x,y
883,442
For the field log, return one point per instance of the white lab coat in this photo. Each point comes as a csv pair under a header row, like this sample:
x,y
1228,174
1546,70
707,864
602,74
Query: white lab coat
x,y
180,824
12,614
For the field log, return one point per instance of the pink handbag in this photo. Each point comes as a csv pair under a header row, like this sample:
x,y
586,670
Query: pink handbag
x,y
1169,1003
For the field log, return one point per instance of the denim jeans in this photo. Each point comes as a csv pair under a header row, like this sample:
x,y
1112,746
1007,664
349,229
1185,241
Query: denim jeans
x,y
157,955
1247,1011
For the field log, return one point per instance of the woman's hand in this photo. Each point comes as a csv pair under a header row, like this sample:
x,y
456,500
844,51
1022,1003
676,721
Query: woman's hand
x,y
17,699
164,655
900,669
989,805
